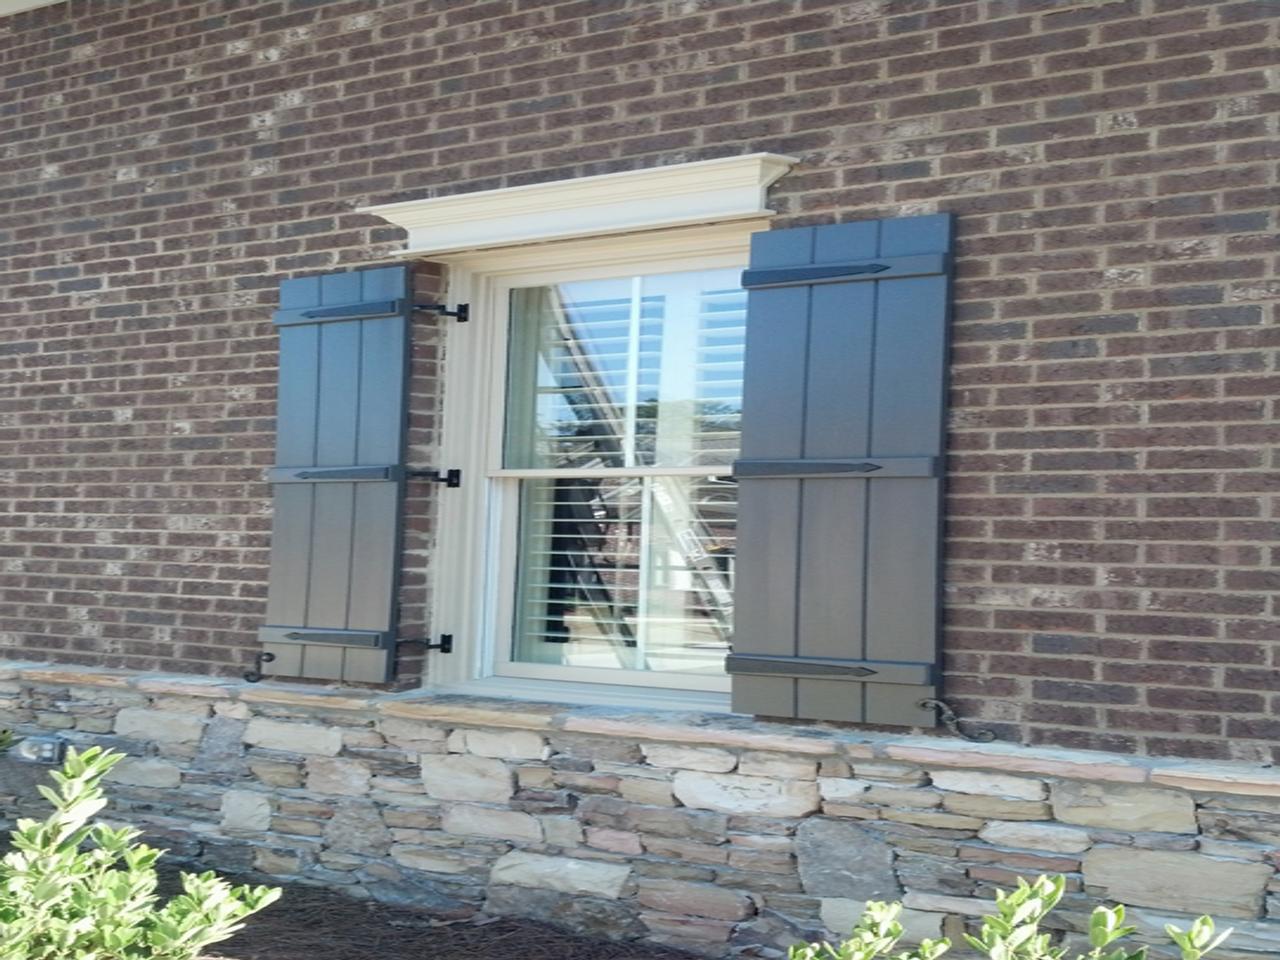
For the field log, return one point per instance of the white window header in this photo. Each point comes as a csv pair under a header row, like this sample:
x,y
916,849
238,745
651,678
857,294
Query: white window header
x,y
9,7
706,191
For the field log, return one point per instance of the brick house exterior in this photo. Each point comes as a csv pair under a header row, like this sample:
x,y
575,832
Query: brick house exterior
x,y
1111,165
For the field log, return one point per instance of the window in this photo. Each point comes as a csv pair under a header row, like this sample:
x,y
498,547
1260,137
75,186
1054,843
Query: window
x,y
597,408
622,412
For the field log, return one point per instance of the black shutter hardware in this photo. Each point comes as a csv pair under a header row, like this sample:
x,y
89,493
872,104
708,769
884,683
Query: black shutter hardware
x,y
461,313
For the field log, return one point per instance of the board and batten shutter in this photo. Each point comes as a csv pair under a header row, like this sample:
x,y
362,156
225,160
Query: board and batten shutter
x,y
839,481
338,483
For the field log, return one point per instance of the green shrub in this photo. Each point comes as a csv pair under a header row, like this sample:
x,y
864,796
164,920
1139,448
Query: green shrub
x,y
71,889
1011,933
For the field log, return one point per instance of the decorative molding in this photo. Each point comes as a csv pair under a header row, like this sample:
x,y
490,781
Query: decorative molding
x,y
10,7
707,191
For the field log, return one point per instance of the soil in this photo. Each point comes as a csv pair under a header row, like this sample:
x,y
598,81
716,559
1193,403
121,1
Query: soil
x,y
310,923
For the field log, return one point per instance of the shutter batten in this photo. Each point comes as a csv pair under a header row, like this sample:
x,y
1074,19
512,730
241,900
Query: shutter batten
x,y
840,486
339,475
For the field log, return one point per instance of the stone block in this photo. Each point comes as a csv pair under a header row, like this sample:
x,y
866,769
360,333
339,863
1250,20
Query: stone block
x,y
467,777
277,861
473,821
678,757
944,904
603,919
340,777
780,765
1251,825
913,798
854,811
232,709
156,726
222,747
674,822
534,777
995,808
1035,836
564,874
840,916
645,790
561,831
733,793
886,771
932,818
431,859
983,783
276,773
685,851
600,751
412,734
297,826
1123,807
501,744
762,861
615,841
1182,882
691,932
843,789
695,899
839,859
244,811
1221,778
356,827
293,737
411,819
145,772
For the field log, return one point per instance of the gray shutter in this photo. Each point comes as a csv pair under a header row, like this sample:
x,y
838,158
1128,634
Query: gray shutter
x,y
339,475
837,576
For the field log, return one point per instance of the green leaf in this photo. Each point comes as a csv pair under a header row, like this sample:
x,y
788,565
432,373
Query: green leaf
x,y
76,889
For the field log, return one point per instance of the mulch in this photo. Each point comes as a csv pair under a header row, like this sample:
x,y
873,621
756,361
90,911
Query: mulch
x,y
311,923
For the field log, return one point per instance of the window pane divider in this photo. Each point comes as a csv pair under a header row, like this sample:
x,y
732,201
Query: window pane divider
x,y
555,473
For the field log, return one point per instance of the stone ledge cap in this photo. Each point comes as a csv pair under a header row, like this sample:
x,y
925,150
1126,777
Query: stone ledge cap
x,y
722,730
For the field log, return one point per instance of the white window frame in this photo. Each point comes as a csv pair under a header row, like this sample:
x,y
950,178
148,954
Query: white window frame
x,y
471,580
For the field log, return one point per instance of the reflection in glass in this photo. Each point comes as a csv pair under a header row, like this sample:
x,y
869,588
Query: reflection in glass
x,y
618,571
631,573
639,371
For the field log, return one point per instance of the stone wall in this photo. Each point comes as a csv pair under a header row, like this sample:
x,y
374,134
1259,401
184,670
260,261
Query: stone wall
x,y
710,832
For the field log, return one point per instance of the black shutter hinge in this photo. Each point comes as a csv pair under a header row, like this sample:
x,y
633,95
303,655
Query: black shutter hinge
x,y
461,313
255,675
450,478
949,719
444,644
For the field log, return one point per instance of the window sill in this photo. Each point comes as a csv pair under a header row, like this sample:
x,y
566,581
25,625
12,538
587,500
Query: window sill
x,y
587,694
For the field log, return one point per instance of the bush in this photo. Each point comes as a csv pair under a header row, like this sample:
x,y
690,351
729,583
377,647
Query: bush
x,y
75,890
1011,933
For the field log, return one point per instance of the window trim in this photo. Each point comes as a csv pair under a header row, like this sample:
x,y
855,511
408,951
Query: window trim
x,y
699,192
474,394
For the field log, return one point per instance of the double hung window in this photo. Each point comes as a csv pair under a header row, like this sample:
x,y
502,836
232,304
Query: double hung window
x,y
605,517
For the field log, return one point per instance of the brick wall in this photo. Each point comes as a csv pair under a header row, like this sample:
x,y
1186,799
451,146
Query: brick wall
x,y
1112,165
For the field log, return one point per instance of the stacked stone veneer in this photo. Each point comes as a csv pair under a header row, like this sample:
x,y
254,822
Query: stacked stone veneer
x,y
717,833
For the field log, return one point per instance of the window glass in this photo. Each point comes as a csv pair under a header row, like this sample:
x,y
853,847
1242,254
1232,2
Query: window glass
x,y
635,371
630,573
616,569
